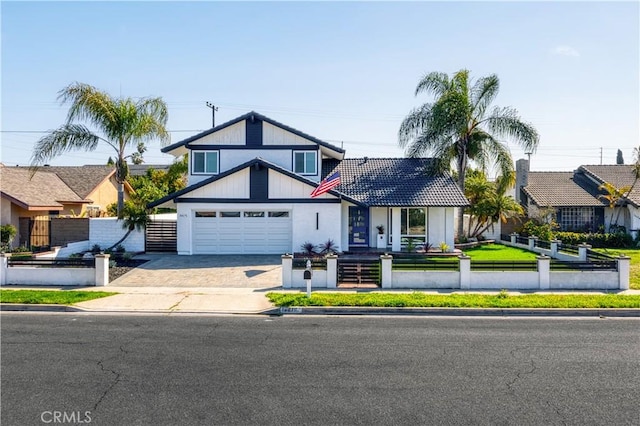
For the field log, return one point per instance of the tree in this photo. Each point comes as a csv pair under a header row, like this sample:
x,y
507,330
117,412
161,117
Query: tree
x,y
458,128
119,123
155,184
489,204
616,197
135,216
619,158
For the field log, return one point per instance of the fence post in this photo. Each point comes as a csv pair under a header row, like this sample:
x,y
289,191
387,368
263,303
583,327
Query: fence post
x,y
582,251
4,259
532,242
514,237
554,247
332,271
287,270
386,270
102,269
624,263
465,272
544,266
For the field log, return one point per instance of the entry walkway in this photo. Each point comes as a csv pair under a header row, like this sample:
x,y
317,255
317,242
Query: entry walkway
x,y
215,271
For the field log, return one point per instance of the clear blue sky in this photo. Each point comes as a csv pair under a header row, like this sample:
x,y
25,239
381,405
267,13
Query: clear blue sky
x,y
343,72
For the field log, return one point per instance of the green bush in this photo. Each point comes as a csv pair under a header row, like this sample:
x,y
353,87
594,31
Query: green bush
x,y
544,231
615,240
7,233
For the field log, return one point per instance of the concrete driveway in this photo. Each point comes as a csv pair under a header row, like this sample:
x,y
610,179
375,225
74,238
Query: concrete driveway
x,y
219,271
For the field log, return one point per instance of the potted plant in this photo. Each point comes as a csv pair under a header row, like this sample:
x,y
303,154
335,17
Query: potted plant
x,y
382,238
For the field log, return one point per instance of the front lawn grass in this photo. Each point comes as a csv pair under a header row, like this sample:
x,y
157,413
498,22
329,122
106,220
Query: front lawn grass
x,y
423,300
634,254
499,252
50,296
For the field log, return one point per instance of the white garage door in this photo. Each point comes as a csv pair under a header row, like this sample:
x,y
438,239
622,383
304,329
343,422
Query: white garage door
x,y
241,232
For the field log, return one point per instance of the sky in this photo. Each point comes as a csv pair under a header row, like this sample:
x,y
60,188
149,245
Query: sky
x,y
343,72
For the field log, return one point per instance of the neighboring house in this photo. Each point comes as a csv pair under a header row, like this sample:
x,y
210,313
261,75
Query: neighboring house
x,y
574,197
250,185
141,169
53,192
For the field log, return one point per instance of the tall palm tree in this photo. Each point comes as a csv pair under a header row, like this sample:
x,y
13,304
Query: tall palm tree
x,y
457,127
119,123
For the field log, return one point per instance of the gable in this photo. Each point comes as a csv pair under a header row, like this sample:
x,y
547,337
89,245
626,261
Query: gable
x,y
254,181
252,130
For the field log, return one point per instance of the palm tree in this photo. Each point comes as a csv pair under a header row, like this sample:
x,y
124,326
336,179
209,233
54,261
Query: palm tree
x,y
458,127
135,216
120,123
616,197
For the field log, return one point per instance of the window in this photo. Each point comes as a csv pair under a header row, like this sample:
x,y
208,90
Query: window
x,y
578,219
413,222
205,214
229,214
253,214
305,162
204,162
278,214
93,211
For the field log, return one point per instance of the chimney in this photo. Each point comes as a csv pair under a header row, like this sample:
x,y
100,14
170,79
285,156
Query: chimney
x,y
522,177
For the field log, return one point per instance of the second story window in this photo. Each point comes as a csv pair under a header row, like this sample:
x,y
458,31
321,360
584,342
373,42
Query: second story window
x,y
305,162
204,162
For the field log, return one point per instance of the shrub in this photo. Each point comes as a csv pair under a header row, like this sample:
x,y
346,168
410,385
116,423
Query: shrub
x,y
544,231
20,249
95,249
328,247
616,240
119,249
444,247
308,248
7,233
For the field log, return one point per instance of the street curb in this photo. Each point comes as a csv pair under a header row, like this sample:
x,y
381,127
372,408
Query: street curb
x,y
35,307
542,312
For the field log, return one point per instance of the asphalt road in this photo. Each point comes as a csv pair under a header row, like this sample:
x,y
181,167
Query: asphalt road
x,y
159,370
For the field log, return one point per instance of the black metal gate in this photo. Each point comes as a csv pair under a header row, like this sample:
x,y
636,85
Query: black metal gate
x,y
359,271
161,235
35,234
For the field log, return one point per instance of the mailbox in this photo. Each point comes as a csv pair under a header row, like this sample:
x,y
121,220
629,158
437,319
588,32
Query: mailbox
x,y
307,274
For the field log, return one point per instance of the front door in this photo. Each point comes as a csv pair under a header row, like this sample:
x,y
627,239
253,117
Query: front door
x,y
358,227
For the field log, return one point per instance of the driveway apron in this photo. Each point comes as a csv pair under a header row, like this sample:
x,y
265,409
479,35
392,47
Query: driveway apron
x,y
220,271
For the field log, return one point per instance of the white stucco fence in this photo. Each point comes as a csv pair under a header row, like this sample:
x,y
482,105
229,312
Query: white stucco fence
x,y
106,231
543,278
55,276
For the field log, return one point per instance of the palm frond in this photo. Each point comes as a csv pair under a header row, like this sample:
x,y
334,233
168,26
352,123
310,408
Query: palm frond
x,y
505,122
66,138
414,124
483,93
89,104
436,83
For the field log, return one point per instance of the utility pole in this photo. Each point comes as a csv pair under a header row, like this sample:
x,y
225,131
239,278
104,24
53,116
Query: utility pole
x,y
213,113
601,156
528,154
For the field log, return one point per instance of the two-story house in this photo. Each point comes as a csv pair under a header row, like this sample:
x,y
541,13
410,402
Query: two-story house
x,y
250,185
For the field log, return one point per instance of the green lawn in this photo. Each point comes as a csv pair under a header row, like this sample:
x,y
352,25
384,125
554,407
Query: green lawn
x,y
634,254
55,297
499,252
417,299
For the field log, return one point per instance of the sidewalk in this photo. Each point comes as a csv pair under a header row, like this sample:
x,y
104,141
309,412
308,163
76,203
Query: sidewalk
x,y
253,301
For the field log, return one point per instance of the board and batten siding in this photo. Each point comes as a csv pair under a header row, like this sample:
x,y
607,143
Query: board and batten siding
x,y
281,186
272,135
235,134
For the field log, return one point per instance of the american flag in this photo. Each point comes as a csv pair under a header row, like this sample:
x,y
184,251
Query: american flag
x,y
327,185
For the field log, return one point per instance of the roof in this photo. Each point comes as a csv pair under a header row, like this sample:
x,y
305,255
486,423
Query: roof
x,y
250,163
82,179
43,190
251,114
141,169
619,175
395,182
562,189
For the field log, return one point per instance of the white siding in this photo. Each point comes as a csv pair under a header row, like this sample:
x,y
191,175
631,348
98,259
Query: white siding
x,y
233,186
234,157
440,223
282,186
377,216
232,135
272,135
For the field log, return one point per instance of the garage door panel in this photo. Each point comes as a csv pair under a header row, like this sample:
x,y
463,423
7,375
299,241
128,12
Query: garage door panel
x,y
242,235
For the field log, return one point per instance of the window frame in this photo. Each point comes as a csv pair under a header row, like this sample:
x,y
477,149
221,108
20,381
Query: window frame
x,y
305,172
206,153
